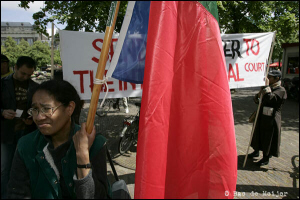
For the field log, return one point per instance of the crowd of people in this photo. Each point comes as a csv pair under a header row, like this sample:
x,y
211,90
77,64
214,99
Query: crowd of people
x,y
45,153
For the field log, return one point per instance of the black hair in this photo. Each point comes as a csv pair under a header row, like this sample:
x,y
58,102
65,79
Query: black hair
x,y
4,58
26,60
63,92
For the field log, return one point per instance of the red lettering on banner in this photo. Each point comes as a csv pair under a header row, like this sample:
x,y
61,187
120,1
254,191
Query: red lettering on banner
x,y
111,52
247,40
252,67
247,70
97,48
109,83
252,45
95,45
257,67
238,73
103,88
91,80
231,73
120,85
133,86
81,78
263,67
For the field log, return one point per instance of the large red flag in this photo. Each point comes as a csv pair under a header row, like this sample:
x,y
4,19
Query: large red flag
x,y
186,143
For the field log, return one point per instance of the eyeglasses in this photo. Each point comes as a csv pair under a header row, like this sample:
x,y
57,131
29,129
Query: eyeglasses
x,y
46,111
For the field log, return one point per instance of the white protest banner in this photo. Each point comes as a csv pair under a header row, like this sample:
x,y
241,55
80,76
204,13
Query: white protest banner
x,y
80,53
246,58
246,61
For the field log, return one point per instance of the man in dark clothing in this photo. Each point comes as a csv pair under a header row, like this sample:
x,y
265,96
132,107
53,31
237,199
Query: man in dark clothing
x,y
5,69
15,122
267,133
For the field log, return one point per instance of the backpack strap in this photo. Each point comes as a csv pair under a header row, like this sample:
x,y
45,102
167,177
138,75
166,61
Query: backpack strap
x,y
112,165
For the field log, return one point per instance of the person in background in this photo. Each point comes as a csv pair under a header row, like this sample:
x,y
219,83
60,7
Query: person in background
x,y
60,159
16,94
5,69
267,133
125,104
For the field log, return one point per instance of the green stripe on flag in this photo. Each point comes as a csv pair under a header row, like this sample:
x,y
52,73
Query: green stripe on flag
x,y
111,13
212,7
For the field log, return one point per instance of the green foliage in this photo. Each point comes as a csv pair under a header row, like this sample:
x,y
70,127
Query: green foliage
x,y
76,14
39,51
262,16
234,17
24,48
11,50
57,59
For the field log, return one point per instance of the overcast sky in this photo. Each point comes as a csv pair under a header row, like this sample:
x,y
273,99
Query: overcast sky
x,y
11,12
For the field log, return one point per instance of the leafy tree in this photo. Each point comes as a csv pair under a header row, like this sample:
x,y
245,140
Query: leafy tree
x,y
11,50
56,39
3,50
24,48
40,52
286,23
234,17
262,16
57,59
76,14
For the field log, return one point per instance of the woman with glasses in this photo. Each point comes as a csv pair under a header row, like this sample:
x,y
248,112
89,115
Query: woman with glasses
x,y
60,159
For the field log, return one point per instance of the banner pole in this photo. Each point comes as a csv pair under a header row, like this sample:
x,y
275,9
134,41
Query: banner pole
x,y
110,26
52,52
260,100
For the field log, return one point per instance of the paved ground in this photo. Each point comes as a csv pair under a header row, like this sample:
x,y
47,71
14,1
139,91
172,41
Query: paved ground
x,y
278,180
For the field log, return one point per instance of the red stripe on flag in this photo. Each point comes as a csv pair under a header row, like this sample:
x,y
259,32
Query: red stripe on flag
x,y
186,143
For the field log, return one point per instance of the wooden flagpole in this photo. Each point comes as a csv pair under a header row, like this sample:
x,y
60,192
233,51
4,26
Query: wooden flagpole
x,y
260,100
110,26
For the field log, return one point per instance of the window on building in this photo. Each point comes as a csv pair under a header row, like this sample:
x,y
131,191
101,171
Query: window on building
x,y
293,65
30,41
3,41
18,40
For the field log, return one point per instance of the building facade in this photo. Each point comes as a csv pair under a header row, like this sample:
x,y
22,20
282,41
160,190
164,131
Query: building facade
x,y
290,60
19,30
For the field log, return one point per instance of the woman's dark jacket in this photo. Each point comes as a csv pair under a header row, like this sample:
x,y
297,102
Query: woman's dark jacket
x,y
33,174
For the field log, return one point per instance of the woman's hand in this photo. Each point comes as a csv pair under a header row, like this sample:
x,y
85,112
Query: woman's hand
x,y
83,142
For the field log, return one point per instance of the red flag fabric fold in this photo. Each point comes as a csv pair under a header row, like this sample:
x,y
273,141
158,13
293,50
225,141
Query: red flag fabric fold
x,y
186,143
